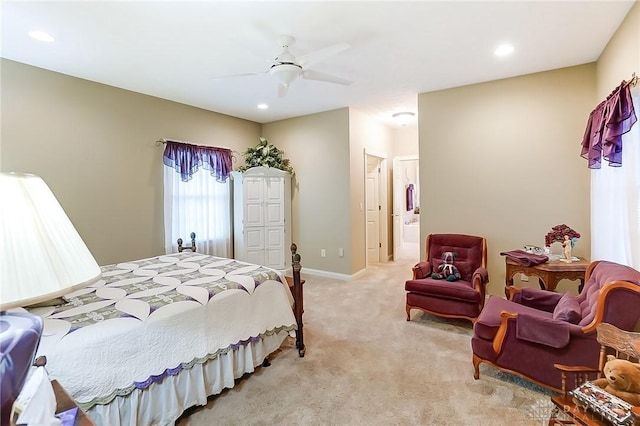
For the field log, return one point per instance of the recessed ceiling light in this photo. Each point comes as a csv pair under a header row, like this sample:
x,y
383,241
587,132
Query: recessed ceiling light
x,y
503,50
263,106
41,36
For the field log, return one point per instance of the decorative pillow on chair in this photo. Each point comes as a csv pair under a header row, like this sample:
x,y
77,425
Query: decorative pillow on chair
x,y
568,309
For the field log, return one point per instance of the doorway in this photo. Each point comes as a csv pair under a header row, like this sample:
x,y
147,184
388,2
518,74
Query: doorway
x,y
406,208
377,223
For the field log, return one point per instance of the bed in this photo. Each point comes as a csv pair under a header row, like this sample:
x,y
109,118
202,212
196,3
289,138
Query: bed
x,y
155,336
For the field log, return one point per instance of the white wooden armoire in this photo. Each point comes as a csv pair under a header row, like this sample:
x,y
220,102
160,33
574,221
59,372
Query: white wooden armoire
x,y
262,216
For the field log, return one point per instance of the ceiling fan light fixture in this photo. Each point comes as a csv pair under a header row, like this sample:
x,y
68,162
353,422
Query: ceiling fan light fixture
x,y
403,118
286,73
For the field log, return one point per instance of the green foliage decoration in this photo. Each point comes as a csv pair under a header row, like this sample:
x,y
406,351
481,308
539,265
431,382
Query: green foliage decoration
x,y
266,155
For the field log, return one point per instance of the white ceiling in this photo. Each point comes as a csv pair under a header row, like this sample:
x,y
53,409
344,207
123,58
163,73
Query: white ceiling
x,y
173,50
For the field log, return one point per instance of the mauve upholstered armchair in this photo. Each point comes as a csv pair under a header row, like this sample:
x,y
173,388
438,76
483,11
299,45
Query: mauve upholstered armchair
x,y
463,298
536,329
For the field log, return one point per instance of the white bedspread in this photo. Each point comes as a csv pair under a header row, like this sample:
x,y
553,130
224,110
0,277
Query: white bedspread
x,y
151,318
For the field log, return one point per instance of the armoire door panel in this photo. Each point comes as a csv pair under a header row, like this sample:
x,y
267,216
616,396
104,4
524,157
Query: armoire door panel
x,y
274,214
274,189
254,214
274,238
274,258
253,190
254,238
255,256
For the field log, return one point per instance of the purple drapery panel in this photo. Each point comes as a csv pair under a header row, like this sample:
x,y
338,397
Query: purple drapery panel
x,y
607,123
187,159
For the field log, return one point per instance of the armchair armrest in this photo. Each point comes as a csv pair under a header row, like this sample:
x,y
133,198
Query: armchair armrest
x,y
422,270
541,300
479,281
480,276
580,374
575,368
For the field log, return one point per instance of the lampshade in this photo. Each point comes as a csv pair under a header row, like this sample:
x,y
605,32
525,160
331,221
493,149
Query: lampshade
x,y
41,254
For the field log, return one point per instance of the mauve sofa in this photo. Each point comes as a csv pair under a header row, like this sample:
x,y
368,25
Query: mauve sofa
x,y
536,329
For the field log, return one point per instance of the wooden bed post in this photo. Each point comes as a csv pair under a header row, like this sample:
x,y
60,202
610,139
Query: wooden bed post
x,y
298,305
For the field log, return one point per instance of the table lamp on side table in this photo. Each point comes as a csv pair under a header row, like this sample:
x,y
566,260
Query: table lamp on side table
x,y
41,257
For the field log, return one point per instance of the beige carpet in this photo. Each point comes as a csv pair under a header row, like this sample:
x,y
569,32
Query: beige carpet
x,y
366,365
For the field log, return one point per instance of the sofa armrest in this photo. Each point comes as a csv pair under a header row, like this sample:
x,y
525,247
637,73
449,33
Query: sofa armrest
x,y
541,300
544,331
534,329
422,270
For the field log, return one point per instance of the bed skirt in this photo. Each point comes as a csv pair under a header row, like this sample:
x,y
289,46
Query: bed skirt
x,y
162,403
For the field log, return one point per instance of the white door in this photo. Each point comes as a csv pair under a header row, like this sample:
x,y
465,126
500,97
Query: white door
x,y
373,209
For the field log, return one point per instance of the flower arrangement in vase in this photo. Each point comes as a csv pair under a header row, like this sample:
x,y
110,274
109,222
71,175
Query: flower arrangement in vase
x,y
564,235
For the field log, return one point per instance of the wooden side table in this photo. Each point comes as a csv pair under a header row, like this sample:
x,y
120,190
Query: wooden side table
x,y
549,274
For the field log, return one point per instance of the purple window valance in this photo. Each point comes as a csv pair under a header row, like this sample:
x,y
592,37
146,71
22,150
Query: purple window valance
x,y
187,158
612,118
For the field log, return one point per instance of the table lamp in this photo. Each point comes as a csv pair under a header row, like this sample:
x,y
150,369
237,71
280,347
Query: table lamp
x,y
41,257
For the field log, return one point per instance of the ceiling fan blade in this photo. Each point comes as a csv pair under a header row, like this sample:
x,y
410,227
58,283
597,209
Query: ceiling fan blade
x,y
319,55
218,77
282,90
320,76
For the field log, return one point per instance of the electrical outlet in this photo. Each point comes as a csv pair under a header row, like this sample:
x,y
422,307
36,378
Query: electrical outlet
x,y
523,277
341,252
323,253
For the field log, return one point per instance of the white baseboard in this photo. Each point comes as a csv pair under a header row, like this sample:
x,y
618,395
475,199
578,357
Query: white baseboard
x,y
329,274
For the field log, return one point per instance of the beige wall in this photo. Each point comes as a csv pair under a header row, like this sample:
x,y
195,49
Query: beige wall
x,y
95,147
502,160
327,152
494,157
318,147
370,136
621,57
405,141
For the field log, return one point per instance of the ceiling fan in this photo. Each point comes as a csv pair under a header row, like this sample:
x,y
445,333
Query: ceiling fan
x,y
286,68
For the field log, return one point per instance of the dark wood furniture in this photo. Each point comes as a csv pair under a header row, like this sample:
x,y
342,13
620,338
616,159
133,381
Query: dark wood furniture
x,y
298,299
549,274
64,402
620,343
193,244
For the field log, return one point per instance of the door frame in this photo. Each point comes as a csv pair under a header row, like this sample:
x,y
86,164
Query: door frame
x,y
384,206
